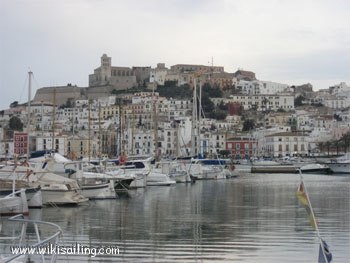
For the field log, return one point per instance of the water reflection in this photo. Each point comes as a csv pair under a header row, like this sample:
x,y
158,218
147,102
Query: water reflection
x,y
251,218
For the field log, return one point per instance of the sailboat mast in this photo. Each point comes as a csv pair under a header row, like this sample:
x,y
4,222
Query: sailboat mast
x,y
155,125
99,132
53,120
89,131
194,118
29,98
199,119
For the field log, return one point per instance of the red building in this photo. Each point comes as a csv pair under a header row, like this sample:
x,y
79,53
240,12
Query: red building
x,y
241,148
20,141
235,108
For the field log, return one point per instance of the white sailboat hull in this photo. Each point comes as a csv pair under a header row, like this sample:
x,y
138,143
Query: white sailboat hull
x,y
35,199
13,204
99,191
159,179
62,197
140,181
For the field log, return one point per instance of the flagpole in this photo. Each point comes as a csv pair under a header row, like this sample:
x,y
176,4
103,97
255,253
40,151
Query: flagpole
x,y
313,217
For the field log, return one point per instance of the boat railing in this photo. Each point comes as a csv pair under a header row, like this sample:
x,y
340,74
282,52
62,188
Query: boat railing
x,y
51,241
15,193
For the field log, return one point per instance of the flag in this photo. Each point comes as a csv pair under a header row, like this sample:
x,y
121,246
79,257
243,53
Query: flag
x,y
324,255
304,200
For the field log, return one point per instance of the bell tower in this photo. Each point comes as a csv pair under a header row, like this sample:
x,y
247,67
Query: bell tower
x,y
106,68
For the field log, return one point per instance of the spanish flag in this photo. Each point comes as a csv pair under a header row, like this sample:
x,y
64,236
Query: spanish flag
x,y
304,200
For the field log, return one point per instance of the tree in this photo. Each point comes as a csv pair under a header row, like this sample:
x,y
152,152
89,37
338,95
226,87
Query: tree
x,y
222,106
328,145
211,91
298,101
207,105
171,90
15,124
224,153
248,125
345,141
320,145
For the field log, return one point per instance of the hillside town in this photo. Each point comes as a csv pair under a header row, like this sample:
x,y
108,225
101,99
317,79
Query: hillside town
x,y
183,110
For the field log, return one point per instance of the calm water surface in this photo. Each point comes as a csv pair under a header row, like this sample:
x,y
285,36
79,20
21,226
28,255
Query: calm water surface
x,y
253,218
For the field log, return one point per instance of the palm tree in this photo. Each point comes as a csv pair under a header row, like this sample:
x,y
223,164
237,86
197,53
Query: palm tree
x,y
345,139
328,144
335,143
320,146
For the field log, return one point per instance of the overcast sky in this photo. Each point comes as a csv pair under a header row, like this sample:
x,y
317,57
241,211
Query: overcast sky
x,y
61,41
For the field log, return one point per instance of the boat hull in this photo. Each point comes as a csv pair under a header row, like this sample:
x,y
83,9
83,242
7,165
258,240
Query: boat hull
x,y
99,191
339,168
140,181
273,169
14,204
62,197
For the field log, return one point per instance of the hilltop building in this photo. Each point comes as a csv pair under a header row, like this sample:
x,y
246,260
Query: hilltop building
x,y
120,78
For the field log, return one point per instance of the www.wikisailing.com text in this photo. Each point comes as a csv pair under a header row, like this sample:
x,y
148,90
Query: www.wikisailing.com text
x,y
74,249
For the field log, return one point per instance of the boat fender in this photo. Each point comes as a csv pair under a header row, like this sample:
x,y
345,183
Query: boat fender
x,y
122,160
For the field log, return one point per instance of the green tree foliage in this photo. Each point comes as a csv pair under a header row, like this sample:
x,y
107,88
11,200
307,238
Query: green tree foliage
x,y
207,105
68,104
224,153
210,110
248,125
211,91
218,114
15,124
128,91
298,101
222,106
171,90
345,141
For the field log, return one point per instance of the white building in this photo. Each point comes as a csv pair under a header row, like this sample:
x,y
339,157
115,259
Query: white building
x,y
269,87
212,142
48,142
261,87
142,142
260,102
337,102
158,74
287,144
179,108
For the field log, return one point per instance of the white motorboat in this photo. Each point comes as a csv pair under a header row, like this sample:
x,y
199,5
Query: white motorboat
x,y
159,179
14,203
315,168
205,169
95,185
340,165
138,167
175,169
55,189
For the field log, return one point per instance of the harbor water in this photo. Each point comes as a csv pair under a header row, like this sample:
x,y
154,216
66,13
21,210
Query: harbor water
x,y
252,218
